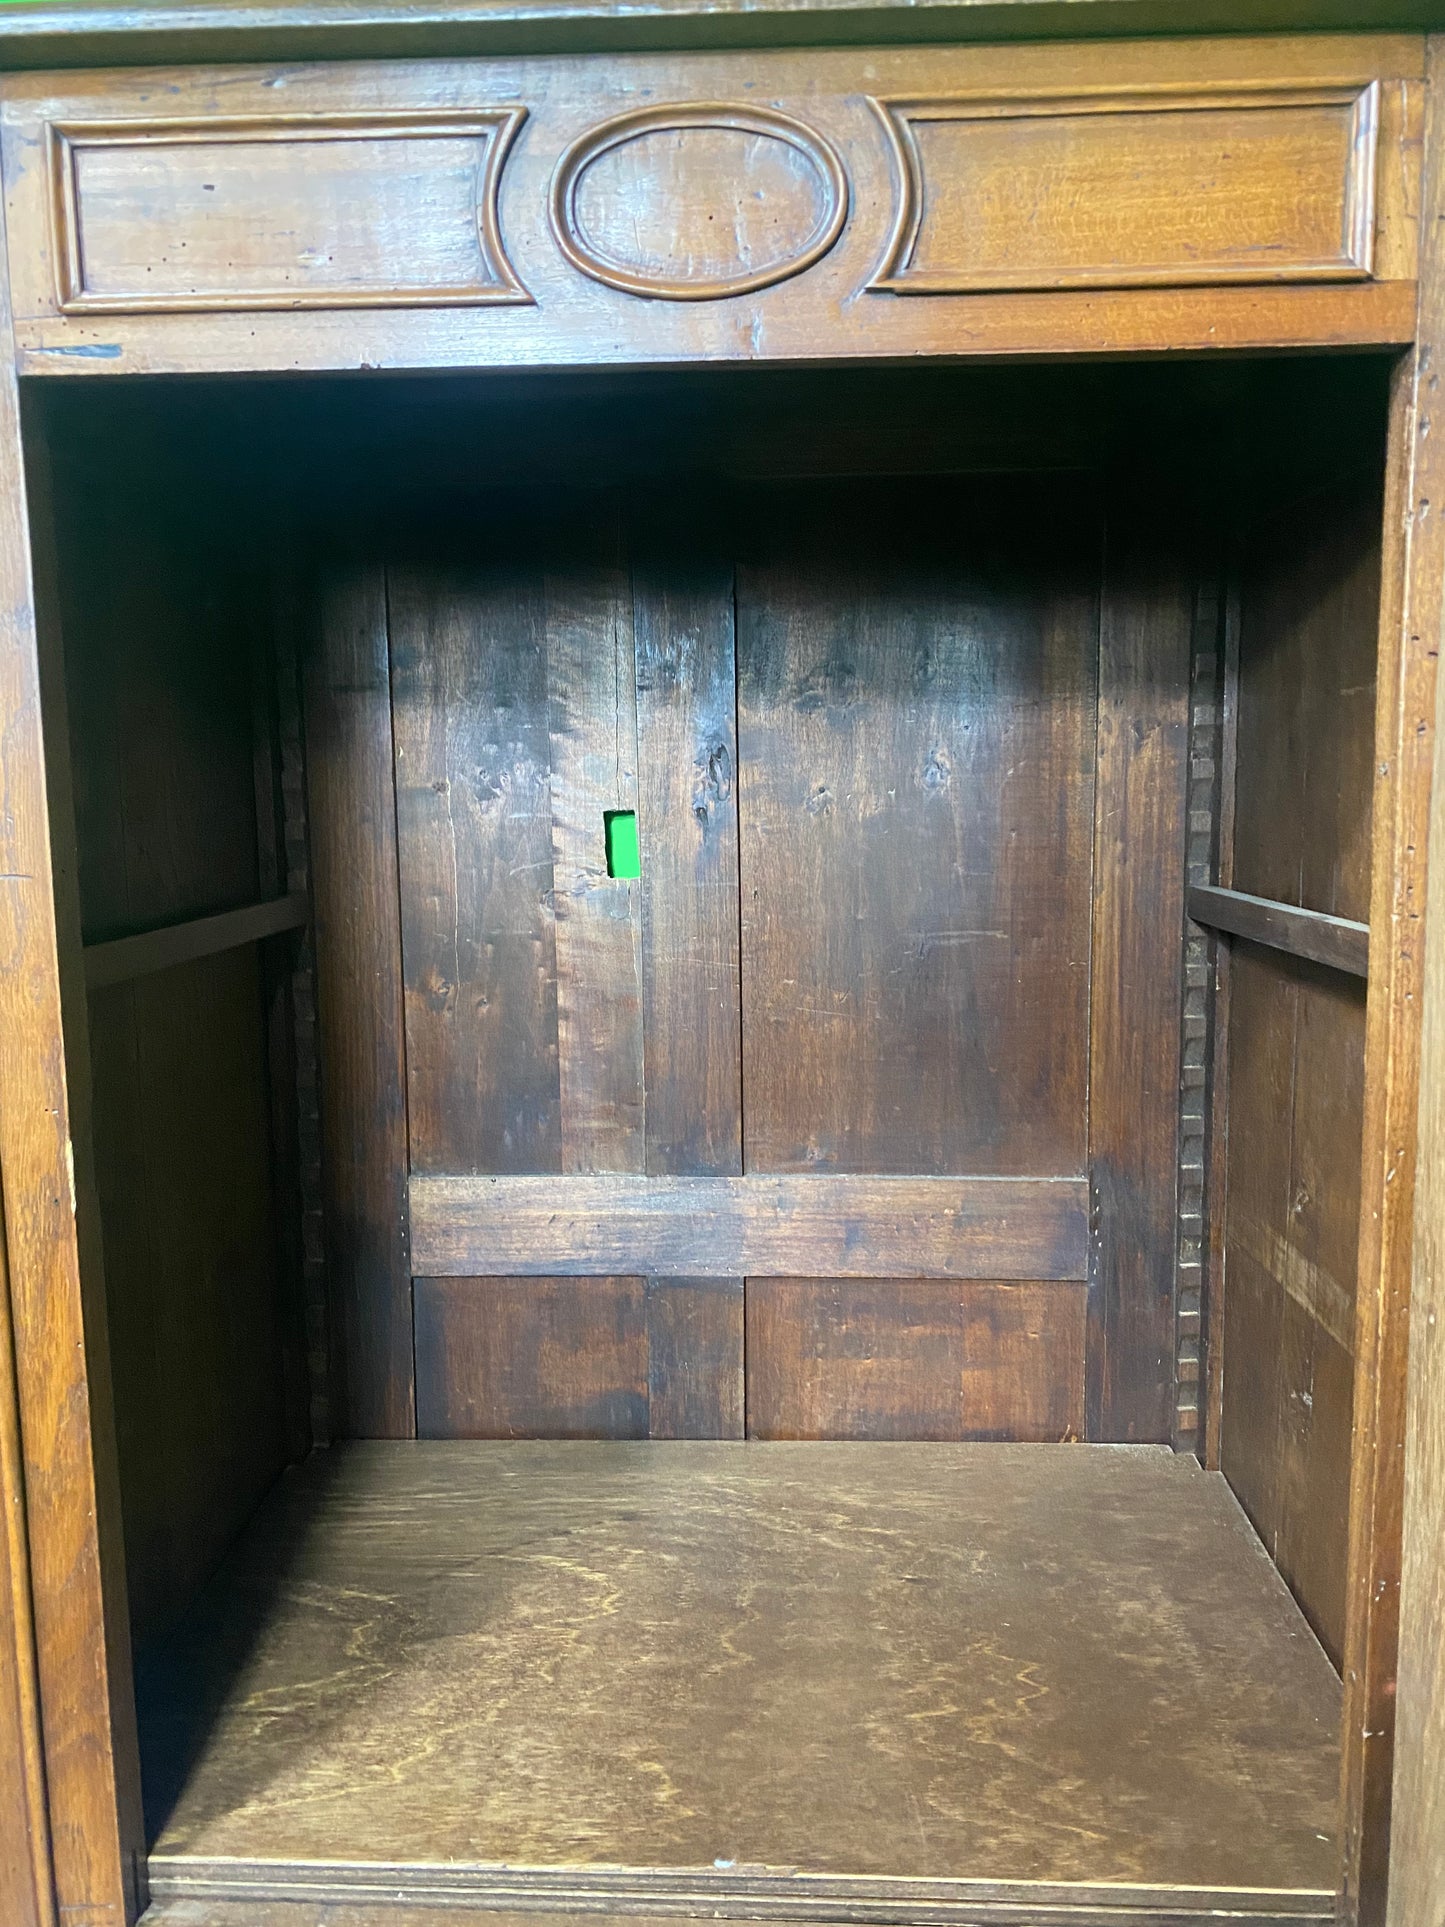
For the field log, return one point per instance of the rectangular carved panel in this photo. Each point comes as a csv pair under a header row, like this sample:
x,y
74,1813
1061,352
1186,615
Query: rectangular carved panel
x,y
1159,188
393,210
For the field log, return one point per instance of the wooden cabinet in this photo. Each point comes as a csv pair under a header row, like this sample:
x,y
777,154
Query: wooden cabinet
x,y
713,865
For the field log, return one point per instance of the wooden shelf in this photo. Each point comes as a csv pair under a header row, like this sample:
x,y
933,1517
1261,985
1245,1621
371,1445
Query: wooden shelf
x,y
123,958
1311,934
903,1682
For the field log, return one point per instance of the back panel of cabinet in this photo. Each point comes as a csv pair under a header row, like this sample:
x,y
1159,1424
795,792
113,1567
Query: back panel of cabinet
x,y
879,797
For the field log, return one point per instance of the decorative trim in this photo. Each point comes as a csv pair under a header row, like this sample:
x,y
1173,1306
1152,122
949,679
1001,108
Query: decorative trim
x,y
745,1893
900,118
1196,1022
495,127
766,121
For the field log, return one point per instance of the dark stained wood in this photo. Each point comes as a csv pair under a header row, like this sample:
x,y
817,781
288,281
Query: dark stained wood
x,y
1297,1057
1001,1909
179,943
358,965
1138,911
604,1358
474,845
1302,933
749,1636
688,823
865,1227
837,1358
597,938
915,691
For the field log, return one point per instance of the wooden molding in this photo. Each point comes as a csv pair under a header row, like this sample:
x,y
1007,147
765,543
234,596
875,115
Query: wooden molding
x,y
140,238
1062,154
841,1227
178,943
1336,941
817,234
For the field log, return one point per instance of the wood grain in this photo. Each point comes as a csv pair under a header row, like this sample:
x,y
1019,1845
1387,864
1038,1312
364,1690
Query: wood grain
x,y
601,1358
1145,637
179,943
1311,934
688,821
842,1358
762,1644
472,720
56,1296
1282,181
358,968
916,739
1416,1852
863,1227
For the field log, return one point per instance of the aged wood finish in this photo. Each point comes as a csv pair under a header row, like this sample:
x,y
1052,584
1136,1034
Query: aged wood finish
x,y
877,218
1412,603
857,1227
761,1644
624,1358
1311,934
1146,637
844,1358
56,1303
358,964
124,958
1416,1863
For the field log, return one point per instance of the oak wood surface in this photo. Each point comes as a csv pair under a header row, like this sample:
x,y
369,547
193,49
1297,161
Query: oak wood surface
x,y
856,1226
801,264
1417,1837
845,1358
1310,934
1145,638
123,958
1412,601
350,789
759,1647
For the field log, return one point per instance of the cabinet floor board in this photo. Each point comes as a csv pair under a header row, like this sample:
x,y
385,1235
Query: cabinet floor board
x,y
767,1680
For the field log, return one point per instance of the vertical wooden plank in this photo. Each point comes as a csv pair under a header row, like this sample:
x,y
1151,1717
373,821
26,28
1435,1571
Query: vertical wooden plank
x,y
688,819
598,937
916,706
1412,603
57,1292
474,836
695,1358
1139,843
358,961
1411,635
27,1892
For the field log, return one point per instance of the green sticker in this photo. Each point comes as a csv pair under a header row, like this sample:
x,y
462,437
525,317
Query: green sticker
x,y
624,855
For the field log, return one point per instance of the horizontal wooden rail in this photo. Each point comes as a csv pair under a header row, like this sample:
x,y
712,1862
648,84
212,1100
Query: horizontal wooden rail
x,y
122,958
1335,941
759,1227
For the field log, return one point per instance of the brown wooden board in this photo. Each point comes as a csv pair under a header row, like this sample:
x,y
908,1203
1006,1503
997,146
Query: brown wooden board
x,y
358,968
623,1358
760,1646
1296,1068
842,1358
1146,632
916,685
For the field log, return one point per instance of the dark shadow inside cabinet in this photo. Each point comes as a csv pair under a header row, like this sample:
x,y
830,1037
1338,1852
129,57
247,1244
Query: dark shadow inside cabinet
x,y
688,975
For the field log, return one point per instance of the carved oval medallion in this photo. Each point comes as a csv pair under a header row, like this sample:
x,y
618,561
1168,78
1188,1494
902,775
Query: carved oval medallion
x,y
696,201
